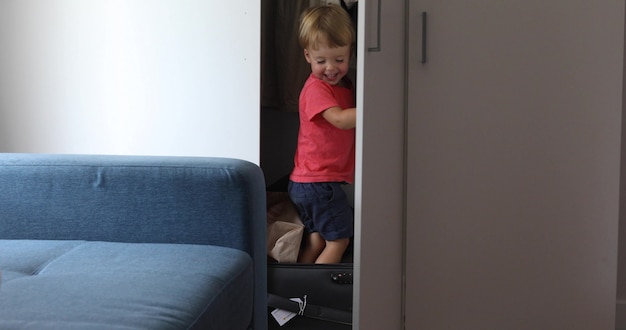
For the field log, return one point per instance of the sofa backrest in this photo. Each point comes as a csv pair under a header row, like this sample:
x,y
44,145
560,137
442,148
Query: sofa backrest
x,y
130,199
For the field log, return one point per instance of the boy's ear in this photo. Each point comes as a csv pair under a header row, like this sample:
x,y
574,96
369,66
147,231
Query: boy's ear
x,y
306,56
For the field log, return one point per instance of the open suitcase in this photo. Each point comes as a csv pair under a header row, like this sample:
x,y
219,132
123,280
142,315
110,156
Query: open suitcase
x,y
324,293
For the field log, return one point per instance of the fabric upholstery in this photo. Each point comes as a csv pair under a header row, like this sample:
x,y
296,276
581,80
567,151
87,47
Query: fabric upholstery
x,y
103,285
137,228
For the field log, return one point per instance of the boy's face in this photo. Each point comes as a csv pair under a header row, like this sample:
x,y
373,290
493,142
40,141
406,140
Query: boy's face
x,y
329,64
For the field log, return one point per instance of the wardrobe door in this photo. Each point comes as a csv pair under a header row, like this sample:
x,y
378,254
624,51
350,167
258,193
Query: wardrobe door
x,y
379,166
167,77
513,163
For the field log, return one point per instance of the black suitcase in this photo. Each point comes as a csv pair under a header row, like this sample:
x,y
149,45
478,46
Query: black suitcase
x,y
324,290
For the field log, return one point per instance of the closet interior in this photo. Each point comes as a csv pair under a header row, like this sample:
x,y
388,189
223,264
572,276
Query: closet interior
x,y
283,72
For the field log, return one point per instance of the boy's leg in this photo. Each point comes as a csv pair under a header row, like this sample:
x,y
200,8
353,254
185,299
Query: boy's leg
x,y
333,252
313,246
323,207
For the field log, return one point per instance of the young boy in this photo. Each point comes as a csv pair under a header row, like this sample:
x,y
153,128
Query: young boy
x,y
324,158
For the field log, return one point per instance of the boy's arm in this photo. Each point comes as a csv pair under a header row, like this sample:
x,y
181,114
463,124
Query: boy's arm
x,y
341,118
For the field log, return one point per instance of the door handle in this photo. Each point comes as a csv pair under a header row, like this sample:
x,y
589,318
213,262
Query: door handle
x,y
424,36
377,47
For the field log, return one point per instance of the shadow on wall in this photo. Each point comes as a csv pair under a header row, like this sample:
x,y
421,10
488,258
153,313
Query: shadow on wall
x,y
5,129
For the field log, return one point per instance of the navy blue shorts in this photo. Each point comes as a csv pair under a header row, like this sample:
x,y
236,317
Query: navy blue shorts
x,y
324,208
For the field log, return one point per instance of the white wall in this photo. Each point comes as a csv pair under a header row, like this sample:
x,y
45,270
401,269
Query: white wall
x,y
165,77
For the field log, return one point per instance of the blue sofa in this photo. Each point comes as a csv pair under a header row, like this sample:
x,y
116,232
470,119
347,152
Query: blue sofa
x,y
131,242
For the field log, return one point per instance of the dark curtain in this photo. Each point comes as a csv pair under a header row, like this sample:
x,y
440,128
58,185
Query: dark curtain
x,y
284,68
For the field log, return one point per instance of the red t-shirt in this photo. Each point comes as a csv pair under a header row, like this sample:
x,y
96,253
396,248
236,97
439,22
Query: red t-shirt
x,y
324,153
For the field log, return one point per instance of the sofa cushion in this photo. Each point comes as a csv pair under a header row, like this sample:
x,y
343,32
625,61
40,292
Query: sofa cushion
x,y
103,285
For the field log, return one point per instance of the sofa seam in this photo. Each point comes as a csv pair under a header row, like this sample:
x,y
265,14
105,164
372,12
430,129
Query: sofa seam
x,y
41,268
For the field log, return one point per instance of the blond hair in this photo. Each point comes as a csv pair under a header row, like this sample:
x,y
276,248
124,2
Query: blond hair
x,y
326,25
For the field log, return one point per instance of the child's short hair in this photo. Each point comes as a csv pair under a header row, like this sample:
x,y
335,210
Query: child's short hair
x,y
329,25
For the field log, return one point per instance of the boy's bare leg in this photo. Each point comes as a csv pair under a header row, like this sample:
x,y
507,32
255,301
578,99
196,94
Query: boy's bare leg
x,y
313,246
333,252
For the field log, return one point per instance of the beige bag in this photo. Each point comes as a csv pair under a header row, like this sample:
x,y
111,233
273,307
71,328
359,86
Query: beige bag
x,y
284,228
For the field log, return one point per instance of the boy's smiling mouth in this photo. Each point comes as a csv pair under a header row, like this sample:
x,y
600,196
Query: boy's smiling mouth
x,y
331,77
